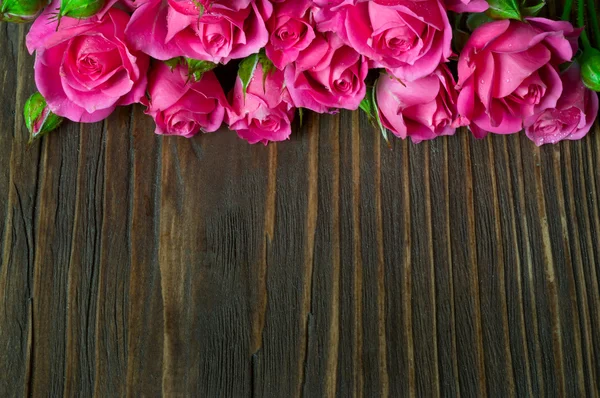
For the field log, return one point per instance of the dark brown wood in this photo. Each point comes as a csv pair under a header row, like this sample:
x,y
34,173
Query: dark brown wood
x,y
328,265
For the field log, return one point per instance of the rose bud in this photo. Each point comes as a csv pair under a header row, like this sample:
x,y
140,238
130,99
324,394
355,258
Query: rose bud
x,y
573,116
38,117
181,106
264,112
422,109
590,69
509,70
20,11
80,8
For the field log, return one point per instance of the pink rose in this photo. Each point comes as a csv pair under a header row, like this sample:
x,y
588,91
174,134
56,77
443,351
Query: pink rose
x,y
265,113
83,68
291,32
466,5
409,38
182,106
422,109
327,75
573,116
508,70
219,35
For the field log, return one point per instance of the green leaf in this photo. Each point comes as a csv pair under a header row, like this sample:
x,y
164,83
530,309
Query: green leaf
x,y
383,130
197,68
504,9
369,106
267,66
173,62
477,19
246,71
533,11
365,104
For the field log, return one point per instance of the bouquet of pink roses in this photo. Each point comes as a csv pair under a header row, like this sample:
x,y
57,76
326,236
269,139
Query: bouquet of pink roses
x,y
394,59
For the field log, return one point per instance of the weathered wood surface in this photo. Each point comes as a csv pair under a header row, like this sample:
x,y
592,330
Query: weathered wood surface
x,y
328,265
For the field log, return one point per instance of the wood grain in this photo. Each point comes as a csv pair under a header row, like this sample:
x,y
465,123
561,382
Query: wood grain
x,y
327,265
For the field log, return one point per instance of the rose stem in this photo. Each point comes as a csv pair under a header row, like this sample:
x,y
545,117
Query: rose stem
x,y
593,17
566,15
581,23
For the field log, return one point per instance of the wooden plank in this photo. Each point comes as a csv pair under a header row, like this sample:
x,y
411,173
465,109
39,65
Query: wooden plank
x,y
491,269
289,335
18,197
145,307
374,343
395,209
205,265
469,338
423,273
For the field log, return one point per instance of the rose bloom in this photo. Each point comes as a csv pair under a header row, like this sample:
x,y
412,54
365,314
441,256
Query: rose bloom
x,y
327,75
83,68
508,71
409,38
290,32
422,109
182,106
220,34
573,117
265,113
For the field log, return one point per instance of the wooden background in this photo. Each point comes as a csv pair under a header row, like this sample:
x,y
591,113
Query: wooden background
x,y
329,265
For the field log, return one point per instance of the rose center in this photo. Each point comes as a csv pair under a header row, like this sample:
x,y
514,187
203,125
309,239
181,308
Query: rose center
x,y
216,40
534,94
270,123
89,65
290,33
183,126
395,40
441,124
285,34
546,127
343,85
400,44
